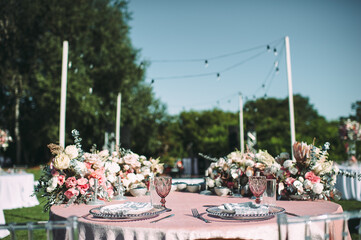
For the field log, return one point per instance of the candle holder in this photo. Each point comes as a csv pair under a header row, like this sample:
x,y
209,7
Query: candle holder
x,y
120,191
95,200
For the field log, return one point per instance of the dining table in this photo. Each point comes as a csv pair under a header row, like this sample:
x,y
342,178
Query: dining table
x,y
183,225
16,190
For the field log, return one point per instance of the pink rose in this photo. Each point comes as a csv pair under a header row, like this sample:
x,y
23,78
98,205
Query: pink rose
x,y
98,174
290,180
61,180
88,165
312,177
110,192
71,192
70,182
83,188
82,181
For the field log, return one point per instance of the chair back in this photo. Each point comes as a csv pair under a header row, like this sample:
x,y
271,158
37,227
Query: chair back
x,y
326,226
70,225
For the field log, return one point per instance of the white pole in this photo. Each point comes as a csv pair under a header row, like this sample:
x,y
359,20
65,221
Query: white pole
x,y
64,73
290,93
117,128
241,132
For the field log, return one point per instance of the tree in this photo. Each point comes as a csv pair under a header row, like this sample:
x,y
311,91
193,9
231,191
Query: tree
x,y
102,62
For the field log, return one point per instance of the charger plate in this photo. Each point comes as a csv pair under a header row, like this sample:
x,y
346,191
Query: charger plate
x,y
154,212
222,213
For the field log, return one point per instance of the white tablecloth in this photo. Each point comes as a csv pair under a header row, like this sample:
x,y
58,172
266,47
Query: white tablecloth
x,y
349,187
16,190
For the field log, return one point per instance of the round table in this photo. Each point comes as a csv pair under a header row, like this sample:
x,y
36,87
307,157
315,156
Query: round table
x,y
16,190
183,225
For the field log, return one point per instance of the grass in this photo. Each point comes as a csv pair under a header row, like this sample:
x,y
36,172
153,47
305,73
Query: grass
x,y
34,214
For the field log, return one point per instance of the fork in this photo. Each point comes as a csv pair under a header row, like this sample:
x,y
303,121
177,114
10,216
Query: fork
x,y
197,215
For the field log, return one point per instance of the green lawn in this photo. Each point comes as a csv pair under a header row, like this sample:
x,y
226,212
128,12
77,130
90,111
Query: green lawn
x,y
37,214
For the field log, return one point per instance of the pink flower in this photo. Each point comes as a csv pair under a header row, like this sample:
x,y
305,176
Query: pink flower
x,y
54,173
83,188
312,177
98,174
71,192
61,180
70,182
110,192
88,165
290,180
82,181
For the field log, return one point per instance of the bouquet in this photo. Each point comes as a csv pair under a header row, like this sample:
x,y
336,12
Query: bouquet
x,y
5,138
350,130
228,170
311,175
70,177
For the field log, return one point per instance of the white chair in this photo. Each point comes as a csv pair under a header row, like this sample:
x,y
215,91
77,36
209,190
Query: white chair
x,y
327,226
70,225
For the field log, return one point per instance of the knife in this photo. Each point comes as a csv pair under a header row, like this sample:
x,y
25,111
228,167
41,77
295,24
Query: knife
x,y
171,215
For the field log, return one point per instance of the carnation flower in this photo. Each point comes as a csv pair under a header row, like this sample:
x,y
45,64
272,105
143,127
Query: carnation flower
x,y
70,193
312,177
317,188
70,182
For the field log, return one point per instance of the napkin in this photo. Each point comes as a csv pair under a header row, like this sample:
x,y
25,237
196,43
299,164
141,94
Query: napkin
x,y
127,208
247,208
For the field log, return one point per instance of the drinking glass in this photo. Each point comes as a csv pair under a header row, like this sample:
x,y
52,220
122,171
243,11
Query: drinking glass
x,y
257,184
269,195
162,187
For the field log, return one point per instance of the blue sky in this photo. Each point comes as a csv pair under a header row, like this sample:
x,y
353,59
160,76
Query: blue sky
x,y
325,46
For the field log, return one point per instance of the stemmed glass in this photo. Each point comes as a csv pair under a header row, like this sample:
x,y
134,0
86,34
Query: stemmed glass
x,y
162,187
257,184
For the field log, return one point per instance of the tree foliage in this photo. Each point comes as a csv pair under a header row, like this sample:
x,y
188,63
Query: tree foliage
x,y
102,62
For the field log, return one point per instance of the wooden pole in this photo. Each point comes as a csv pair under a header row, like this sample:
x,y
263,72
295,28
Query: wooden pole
x,y
117,128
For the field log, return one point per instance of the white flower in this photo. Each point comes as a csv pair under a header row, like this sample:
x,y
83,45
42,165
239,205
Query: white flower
x,y
322,167
234,173
126,167
317,188
145,171
265,158
308,184
132,177
103,154
80,167
98,164
221,162
210,183
147,163
112,167
301,179
293,170
249,163
111,178
61,161
297,184
132,160
275,167
249,173
71,151
139,177
218,182
288,163
53,182
281,186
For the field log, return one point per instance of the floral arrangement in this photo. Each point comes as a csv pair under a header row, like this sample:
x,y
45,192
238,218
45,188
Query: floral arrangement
x,y
350,130
70,176
311,175
226,171
5,138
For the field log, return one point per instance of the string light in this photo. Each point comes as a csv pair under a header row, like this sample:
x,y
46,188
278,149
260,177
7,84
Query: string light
x,y
275,51
206,63
218,77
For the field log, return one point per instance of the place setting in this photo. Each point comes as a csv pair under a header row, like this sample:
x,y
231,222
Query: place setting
x,y
260,186
132,210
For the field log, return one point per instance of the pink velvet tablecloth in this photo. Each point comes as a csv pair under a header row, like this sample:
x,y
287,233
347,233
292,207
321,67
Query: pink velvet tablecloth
x,y
183,225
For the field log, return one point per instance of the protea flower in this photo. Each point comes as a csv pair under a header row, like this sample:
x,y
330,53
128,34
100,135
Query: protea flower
x,y
301,151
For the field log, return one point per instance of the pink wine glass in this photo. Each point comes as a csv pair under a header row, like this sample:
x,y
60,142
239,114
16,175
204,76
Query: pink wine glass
x,y
162,187
257,184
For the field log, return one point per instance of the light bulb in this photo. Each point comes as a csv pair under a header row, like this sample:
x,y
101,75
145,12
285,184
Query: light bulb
x,y
152,81
276,63
218,76
206,63
268,48
275,51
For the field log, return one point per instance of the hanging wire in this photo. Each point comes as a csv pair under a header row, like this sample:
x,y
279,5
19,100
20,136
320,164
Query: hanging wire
x,y
206,59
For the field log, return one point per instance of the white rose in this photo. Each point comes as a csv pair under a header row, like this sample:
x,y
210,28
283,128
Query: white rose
x,y
111,178
71,151
104,153
126,167
275,167
53,182
112,167
317,188
61,161
98,164
145,171
80,168
132,177
301,179
322,167
288,163
147,163
140,177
